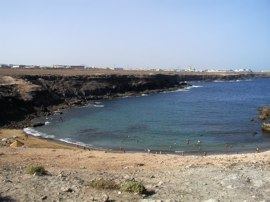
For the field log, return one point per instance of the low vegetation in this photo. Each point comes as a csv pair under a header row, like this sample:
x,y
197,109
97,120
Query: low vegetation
x,y
36,169
133,186
104,184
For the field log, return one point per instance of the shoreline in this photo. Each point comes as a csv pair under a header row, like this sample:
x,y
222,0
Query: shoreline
x,y
167,176
158,152
50,142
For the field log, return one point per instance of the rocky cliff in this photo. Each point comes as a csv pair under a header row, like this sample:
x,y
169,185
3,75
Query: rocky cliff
x,y
26,96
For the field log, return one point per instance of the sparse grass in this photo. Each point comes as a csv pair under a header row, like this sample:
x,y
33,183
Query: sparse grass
x,y
133,186
104,184
36,169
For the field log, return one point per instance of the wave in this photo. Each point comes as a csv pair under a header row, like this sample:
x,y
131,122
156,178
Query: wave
x,y
178,90
219,81
193,86
70,141
92,104
232,81
31,131
182,89
98,105
188,88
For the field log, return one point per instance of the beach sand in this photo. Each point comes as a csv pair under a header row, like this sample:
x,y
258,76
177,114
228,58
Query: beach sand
x,y
224,177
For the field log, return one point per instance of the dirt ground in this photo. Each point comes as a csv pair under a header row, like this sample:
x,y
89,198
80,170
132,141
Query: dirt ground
x,y
234,177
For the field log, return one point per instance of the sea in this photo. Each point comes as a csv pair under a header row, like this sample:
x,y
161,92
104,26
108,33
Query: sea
x,y
217,116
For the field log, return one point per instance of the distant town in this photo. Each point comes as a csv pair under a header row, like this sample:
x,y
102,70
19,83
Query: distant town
x,y
82,67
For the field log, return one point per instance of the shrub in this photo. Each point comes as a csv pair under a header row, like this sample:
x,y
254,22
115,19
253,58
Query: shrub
x,y
133,186
104,184
36,169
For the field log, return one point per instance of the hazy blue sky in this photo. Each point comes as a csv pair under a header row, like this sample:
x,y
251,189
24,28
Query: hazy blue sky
x,y
136,33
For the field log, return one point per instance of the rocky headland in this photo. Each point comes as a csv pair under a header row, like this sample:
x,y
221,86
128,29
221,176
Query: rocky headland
x,y
24,97
26,94
264,116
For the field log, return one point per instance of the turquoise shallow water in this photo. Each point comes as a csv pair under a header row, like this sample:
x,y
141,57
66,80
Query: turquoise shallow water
x,y
211,116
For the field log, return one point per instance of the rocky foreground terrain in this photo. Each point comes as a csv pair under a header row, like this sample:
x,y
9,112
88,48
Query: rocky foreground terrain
x,y
70,171
27,93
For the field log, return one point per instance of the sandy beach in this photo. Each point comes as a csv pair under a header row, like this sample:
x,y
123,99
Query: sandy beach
x,y
166,176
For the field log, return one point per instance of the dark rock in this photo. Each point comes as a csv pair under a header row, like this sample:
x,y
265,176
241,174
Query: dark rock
x,y
38,124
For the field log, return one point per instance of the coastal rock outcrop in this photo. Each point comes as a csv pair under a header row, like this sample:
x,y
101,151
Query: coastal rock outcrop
x,y
24,97
266,127
264,113
264,116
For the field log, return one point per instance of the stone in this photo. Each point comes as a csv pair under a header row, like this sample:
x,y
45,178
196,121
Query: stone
x,y
211,200
67,189
160,183
105,198
38,124
16,143
4,139
7,180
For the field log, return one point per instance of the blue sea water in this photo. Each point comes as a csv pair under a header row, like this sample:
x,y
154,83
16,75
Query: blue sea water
x,y
210,116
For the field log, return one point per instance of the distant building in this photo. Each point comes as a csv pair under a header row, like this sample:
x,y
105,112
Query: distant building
x,y
15,66
4,66
118,68
77,66
59,66
89,67
190,69
18,66
32,67
243,70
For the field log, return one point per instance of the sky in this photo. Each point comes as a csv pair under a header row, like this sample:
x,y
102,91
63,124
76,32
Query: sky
x,y
205,34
